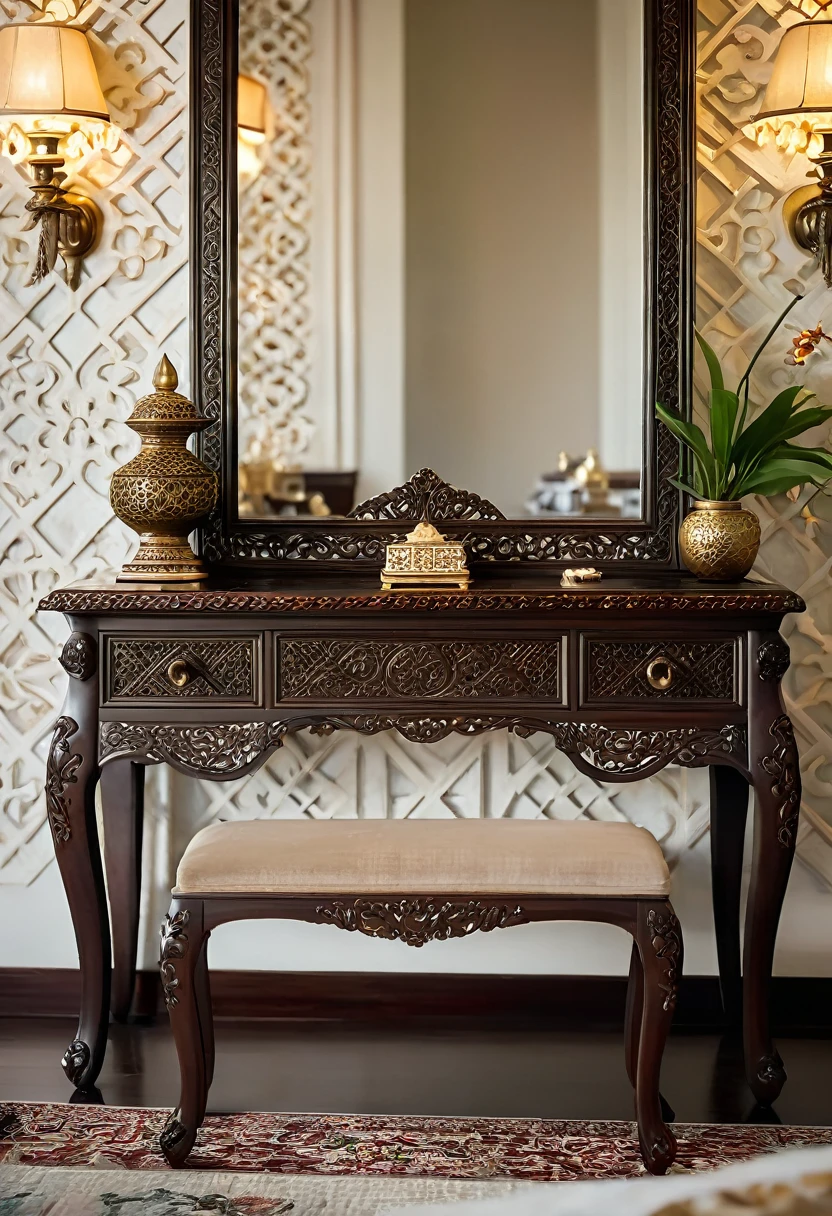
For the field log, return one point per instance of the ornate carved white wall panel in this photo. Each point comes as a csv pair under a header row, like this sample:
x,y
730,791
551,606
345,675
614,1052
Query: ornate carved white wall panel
x,y
274,229
71,366
746,266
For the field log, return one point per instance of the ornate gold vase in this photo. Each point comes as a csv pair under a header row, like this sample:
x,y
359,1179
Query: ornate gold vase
x,y
719,541
165,491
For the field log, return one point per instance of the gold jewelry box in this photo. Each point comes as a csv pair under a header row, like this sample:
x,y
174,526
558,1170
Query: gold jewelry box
x,y
424,561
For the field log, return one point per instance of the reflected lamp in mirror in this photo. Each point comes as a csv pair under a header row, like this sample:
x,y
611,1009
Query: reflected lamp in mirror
x,y
49,90
254,123
797,117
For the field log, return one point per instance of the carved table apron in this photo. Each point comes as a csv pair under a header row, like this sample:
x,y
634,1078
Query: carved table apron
x,y
626,676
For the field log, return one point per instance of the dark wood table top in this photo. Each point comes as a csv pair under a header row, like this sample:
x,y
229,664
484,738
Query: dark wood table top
x,y
662,593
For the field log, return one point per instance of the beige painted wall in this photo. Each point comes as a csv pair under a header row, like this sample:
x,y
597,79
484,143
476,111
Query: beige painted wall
x,y
502,276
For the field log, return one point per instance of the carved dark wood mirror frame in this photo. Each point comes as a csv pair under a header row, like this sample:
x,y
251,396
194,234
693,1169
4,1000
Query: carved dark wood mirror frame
x,y
510,546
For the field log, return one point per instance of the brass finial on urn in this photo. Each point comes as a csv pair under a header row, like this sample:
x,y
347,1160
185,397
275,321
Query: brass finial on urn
x,y
165,491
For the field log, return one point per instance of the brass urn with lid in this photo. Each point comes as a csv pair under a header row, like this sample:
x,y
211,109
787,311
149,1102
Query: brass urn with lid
x,y
165,491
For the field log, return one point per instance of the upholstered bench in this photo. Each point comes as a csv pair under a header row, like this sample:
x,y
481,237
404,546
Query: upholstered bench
x,y
420,881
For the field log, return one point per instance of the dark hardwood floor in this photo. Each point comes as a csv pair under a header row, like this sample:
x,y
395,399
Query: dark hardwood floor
x,y
430,1069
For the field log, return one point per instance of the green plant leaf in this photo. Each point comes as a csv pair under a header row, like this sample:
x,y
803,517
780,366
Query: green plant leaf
x,y
768,428
683,485
793,451
783,472
712,360
693,437
724,409
803,420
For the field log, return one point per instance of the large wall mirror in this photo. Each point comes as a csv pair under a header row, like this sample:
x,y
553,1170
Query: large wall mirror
x,y
450,237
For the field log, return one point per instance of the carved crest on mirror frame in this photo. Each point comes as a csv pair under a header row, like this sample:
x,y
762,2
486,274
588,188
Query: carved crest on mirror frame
x,y
426,496
227,540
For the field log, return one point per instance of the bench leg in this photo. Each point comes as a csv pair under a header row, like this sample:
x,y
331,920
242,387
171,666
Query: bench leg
x,y
659,944
632,1028
183,946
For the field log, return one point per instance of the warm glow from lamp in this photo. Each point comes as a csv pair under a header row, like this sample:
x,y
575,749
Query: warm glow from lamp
x,y
797,108
53,107
252,110
48,70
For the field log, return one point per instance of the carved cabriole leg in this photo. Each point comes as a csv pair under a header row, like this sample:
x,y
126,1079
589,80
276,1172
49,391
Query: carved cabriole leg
x,y
183,940
122,805
775,771
659,942
729,811
71,776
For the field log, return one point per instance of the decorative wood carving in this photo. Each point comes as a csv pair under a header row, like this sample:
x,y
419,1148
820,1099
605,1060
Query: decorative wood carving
x,y
702,671
610,752
218,667
669,159
174,945
78,657
221,750
773,659
783,766
416,921
666,940
61,771
172,1133
694,602
346,668
426,496
75,1061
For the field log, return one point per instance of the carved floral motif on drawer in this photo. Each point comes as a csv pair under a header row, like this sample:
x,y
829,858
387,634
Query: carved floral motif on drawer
x,y
343,669
173,667
703,670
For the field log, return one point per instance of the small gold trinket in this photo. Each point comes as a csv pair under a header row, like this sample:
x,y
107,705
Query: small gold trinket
x,y
586,574
424,561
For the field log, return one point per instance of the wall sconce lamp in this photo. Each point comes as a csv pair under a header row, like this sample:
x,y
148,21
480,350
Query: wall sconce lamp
x,y
797,117
48,79
255,124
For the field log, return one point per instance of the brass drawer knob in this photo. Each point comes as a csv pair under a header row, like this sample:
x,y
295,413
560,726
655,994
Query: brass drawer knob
x,y
660,674
179,673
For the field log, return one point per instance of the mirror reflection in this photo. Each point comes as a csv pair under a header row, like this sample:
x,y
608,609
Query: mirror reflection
x,y
441,253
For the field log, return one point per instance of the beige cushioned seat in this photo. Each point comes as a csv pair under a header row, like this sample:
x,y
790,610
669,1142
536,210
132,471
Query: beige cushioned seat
x,y
423,857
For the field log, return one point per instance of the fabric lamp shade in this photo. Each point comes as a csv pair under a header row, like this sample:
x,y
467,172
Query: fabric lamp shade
x,y
802,79
252,107
46,70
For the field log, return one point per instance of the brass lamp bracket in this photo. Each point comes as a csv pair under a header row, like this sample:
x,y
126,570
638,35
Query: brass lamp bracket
x,y
69,223
808,213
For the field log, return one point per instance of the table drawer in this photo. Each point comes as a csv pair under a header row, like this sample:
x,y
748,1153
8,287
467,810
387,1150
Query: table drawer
x,y
347,669
617,671
214,669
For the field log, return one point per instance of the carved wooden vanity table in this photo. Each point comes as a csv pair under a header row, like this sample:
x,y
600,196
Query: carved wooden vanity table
x,y
627,677
644,669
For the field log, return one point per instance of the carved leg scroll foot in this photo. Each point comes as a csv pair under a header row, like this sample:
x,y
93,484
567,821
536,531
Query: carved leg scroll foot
x,y
71,776
183,941
659,942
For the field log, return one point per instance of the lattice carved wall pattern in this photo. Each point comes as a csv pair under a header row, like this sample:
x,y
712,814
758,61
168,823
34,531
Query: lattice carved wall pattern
x,y
274,229
746,266
70,369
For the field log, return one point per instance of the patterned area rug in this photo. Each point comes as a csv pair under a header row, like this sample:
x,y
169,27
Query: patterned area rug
x,y
34,1191
532,1150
